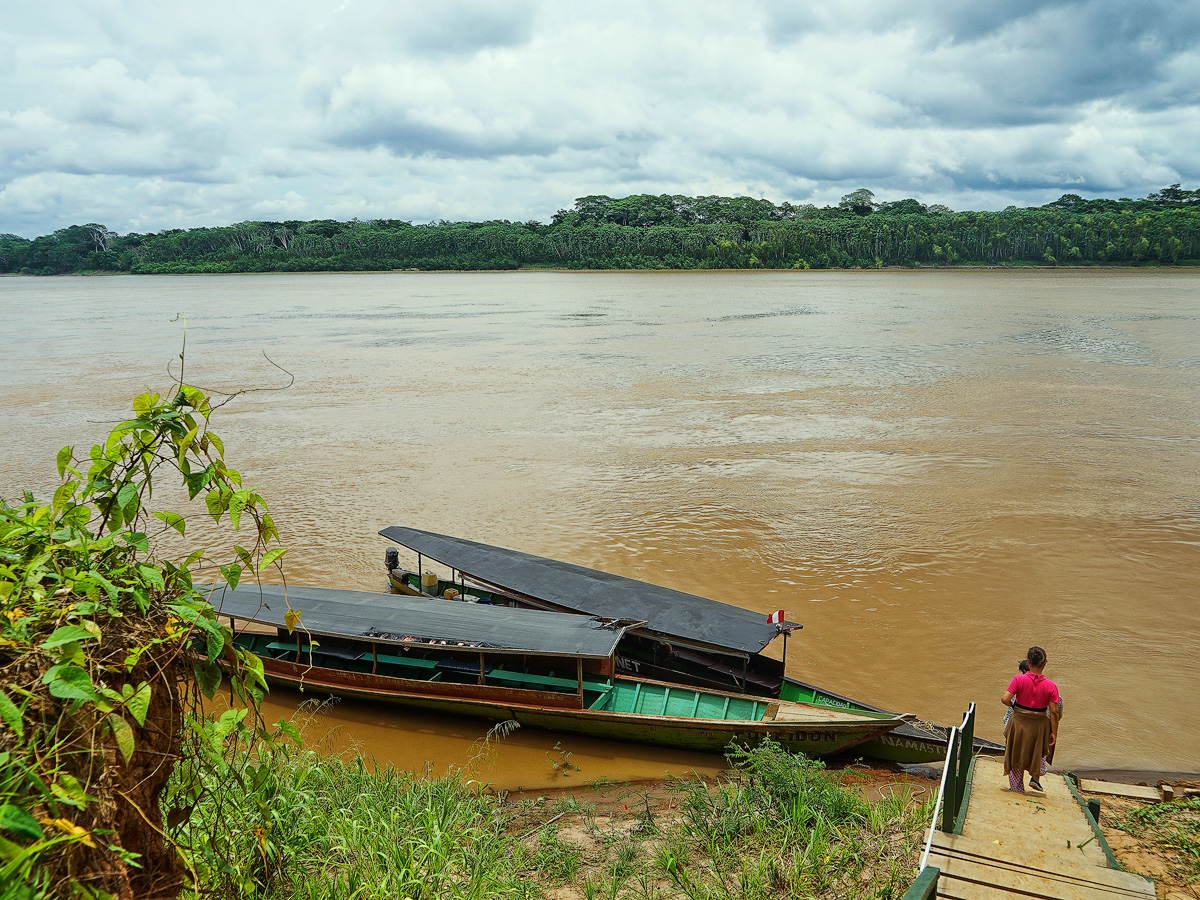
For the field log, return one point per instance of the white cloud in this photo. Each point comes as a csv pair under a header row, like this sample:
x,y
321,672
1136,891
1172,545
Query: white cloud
x,y
159,115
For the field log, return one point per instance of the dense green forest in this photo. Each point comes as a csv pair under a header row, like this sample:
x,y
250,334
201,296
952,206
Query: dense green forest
x,y
654,232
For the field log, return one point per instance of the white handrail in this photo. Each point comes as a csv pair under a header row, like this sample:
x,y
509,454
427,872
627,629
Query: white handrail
x,y
937,807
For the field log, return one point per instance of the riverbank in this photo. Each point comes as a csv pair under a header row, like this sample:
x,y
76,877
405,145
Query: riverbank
x,y
1188,265
775,825
1160,840
309,824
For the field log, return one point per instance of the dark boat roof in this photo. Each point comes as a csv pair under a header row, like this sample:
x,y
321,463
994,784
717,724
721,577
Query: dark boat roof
x,y
671,614
389,618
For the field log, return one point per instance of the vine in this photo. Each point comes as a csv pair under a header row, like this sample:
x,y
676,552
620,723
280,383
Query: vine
x,y
107,652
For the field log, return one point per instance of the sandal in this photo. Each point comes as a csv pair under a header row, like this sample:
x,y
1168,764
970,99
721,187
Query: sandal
x,y
1035,785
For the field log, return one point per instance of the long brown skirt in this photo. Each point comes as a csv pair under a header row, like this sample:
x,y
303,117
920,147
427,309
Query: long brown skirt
x,y
1026,742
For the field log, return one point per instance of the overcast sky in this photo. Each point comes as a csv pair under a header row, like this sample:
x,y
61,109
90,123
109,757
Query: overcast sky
x,y
152,115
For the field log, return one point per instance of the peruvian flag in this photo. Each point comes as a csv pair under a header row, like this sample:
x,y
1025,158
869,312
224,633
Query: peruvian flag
x,y
775,618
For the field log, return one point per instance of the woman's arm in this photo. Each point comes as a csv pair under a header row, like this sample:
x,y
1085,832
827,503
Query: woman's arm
x,y
1008,698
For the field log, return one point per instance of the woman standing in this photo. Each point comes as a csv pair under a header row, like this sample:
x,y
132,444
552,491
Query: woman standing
x,y
1030,733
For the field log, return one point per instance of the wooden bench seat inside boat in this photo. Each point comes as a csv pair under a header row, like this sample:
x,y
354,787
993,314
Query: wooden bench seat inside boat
x,y
335,652
551,681
414,662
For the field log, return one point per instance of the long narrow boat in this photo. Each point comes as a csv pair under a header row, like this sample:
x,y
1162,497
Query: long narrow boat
x,y
499,663
682,638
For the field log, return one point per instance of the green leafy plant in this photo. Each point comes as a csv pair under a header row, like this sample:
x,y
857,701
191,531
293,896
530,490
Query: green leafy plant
x,y
106,650
1173,828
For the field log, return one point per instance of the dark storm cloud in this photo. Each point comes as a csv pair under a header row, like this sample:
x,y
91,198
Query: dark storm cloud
x,y
1042,67
974,64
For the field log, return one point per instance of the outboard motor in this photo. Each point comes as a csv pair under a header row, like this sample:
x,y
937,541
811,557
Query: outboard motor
x,y
391,558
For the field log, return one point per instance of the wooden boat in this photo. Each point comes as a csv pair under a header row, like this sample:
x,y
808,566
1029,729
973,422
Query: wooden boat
x,y
674,637
499,663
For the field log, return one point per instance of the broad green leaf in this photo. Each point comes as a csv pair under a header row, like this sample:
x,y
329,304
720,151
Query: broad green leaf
x,y
193,396
109,587
208,678
174,520
290,730
127,494
64,459
254,667
152,576
68,634
186,611
72,653
188,440
64,492
217,442
11,715
226,723
17,821
214,645
123,734
232,573
139,704
236,504
70,791
116,516
69,682
271,555
244,556
77,516
215,503
291,619
143,403
196,482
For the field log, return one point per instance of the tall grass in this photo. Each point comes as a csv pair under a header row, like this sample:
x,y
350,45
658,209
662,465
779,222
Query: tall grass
x,y
782,826
318,826
326,827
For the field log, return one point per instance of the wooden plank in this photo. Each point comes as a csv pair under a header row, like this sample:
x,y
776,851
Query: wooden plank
x,y
976,881
797,712
975,861
1037,846
1112,788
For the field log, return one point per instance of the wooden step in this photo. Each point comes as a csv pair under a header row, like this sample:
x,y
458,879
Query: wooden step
x,y
1034,846
973,869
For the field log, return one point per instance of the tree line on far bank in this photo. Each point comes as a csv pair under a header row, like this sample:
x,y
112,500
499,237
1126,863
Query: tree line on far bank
x,y
654,232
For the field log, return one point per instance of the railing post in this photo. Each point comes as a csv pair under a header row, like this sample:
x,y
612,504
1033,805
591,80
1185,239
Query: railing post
x,y
925,887
966,751
950,783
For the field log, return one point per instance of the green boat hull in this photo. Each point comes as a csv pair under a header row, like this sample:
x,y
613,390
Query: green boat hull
x,y
634,711
913,743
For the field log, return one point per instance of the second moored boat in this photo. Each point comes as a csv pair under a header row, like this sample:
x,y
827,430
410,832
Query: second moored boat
x,y
673,636
499,663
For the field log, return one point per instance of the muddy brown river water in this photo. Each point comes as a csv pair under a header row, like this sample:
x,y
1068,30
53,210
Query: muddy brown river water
x,y
930,470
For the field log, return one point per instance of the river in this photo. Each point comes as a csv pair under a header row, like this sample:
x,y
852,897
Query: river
x,y
930,470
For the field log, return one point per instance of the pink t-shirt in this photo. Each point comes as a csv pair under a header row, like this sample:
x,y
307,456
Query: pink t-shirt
x,y
1033,690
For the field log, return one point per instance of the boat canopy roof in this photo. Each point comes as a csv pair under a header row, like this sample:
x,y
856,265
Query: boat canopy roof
x,y
668,613
416,621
